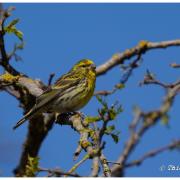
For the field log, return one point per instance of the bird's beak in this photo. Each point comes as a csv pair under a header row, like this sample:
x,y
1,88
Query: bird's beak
x,y
93,66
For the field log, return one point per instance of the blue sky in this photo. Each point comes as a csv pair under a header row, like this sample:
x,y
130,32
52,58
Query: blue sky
x,y
56,37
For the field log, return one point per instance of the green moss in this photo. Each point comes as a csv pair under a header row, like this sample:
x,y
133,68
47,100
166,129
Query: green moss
x,y
9,77
32,166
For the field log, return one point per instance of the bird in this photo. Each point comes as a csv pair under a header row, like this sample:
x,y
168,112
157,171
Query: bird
x,y
69,93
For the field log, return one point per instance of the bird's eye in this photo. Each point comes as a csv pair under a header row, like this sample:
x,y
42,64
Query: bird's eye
x,y
83,65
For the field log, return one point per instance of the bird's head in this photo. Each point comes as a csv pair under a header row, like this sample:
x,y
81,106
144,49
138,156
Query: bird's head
x,y
84,64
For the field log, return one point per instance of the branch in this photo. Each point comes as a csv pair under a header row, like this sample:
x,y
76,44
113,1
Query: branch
x,y
153,153
141,48
95,167
23,88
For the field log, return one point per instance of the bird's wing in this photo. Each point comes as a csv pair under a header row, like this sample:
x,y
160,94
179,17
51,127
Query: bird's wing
x,y
69,78
46,97
64,83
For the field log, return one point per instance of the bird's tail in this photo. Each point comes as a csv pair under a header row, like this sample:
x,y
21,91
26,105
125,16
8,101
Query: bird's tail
x,y
24,118
21,121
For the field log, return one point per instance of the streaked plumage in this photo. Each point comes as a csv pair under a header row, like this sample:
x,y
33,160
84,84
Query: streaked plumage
x,y
70,93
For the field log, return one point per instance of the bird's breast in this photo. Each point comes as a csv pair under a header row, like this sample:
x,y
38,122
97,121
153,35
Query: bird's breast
x,y
76,98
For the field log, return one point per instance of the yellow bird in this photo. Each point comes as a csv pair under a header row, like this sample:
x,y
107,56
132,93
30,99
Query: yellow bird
x,y
70,92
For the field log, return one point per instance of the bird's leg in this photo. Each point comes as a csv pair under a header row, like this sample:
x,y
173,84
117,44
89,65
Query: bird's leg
x,y
82,115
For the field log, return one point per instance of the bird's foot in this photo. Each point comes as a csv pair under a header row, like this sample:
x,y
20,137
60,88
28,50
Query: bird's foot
x,y
82,115
64,117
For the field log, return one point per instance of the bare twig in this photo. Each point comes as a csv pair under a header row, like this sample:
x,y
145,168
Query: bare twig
x,y
137,117
124,79
105,92
50,79
175,65
150,79
78,164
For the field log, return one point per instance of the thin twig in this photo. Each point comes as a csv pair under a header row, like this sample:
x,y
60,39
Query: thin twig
x,y
150,79
152,153
124,79
58,172
175,65
79,163
50,78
